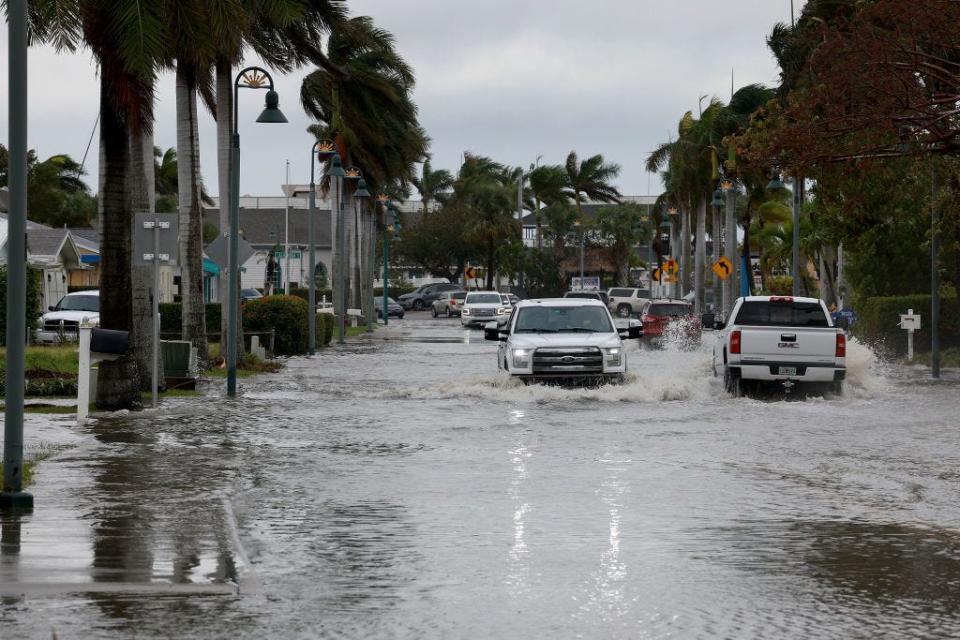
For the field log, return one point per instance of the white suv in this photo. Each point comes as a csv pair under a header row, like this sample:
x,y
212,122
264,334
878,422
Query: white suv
x,y
627,301
567,340
62,322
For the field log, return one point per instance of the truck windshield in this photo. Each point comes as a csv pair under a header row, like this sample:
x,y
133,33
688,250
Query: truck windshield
x,y
782,314
558,319
79,303
484,298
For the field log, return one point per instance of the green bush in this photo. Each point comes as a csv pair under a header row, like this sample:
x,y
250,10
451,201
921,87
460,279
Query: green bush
x,y
325,328
303,292
878,319
285,315
171,321
33,302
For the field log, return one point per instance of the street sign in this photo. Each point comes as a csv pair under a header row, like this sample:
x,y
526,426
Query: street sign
x,y
470,273
656,275
587,283
723,268
169,243
669,279
671,266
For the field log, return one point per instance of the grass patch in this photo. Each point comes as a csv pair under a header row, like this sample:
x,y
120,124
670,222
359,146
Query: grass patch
x,y
62,359
353,332
251,367
31,459
949,358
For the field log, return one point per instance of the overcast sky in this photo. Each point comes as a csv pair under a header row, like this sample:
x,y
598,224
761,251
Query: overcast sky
x,y
511,79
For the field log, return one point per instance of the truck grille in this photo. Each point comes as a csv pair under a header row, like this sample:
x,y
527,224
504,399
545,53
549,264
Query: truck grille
x,y
484,312
68,326
573,361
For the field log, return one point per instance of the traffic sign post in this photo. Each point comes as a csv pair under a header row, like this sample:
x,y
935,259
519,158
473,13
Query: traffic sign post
x,y
155,242
910,322
723,268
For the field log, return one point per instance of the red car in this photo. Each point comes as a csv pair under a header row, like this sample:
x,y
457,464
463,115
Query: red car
x,y
669,320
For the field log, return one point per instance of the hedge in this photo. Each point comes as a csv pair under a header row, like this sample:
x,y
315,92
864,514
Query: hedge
x,y
285,315
171,319
33,302
325,326
878,319
303,292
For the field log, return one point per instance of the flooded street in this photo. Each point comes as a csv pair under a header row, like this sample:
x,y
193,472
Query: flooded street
x,y
402,488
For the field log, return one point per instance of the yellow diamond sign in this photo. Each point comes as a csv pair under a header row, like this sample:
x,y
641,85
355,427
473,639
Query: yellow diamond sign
x,y
723,268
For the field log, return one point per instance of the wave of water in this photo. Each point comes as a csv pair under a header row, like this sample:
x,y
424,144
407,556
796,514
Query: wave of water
x,y
679,371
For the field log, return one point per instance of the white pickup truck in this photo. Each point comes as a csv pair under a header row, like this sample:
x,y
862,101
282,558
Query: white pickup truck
x,y
568,340
778,340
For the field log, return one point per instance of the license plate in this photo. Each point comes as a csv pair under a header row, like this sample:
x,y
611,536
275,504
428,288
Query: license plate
x,y
788,371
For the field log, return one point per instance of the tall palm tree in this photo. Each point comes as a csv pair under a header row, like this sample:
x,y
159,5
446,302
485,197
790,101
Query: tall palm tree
x,y
363,101
591,179
548,184
433,186
484,190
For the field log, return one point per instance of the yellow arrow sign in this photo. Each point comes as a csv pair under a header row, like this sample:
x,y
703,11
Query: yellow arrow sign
x,y
671,266
656,275
723,268
470,273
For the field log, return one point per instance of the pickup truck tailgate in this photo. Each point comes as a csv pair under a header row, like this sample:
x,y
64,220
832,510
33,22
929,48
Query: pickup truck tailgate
x,y
789,344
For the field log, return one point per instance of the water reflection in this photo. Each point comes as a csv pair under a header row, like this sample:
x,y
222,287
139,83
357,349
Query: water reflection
x,y
10,532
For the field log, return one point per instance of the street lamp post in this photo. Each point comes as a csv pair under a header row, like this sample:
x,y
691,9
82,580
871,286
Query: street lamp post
x,y
12,495
335,172
322,149
716,250
361,195
249,78
389,220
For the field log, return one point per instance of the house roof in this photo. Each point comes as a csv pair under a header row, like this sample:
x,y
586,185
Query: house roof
x,y
46,242
86,238
256,226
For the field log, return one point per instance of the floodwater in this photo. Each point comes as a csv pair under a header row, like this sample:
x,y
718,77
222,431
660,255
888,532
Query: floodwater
x,y
402,488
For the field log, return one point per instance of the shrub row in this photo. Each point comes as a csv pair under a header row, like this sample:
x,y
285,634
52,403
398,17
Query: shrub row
x,y
878,320
326,325
171,317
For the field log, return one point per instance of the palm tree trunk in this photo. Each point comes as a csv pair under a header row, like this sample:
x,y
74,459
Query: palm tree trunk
x,y
357,237
193,318
700,261
716,252
684,251
142,198
366,260
118,384
745,254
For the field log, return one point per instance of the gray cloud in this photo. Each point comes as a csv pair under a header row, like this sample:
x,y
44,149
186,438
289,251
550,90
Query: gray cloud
x,y
510,79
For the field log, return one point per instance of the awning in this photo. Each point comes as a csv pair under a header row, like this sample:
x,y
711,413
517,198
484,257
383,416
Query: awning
x,y
90,258
210,267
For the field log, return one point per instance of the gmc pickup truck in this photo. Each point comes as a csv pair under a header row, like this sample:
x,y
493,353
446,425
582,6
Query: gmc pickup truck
x,y
780,341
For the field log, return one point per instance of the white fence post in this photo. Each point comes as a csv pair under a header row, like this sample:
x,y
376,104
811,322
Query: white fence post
x,y
83,373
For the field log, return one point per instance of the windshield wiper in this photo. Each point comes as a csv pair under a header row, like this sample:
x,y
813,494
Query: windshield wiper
x,y
584,330
535,331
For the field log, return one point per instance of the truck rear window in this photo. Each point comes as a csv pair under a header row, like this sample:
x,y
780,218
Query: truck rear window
x,y
782,314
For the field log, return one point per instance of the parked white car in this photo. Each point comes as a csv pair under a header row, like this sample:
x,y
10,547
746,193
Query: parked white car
x,y
480,307
62,322
569,340
780,341
627,301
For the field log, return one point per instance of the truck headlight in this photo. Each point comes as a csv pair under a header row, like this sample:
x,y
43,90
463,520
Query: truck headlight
x,y
465,311
521,358
613,356
501,311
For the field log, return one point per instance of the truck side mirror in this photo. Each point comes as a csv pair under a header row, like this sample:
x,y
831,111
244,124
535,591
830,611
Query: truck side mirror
x,y
842,322
493,332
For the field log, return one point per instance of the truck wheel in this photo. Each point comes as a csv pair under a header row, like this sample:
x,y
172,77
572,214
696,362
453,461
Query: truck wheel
x,y
837,388
732,383
418,304
624,311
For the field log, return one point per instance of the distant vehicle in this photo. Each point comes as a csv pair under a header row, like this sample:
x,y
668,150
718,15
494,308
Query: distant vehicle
x,y
627,301
781,341
423,296
480,307
448,304
512,298
250,294
589,295
393,308
658,315
567,340
62,321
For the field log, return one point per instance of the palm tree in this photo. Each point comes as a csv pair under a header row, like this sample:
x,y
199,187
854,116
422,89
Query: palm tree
x,y
591,179
433,186
548,184
363,101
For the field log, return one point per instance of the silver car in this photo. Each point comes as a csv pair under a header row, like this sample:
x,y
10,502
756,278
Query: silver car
x,y
448,304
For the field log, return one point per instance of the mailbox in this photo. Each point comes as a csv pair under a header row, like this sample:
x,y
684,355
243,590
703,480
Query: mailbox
x,y
109,341
910,321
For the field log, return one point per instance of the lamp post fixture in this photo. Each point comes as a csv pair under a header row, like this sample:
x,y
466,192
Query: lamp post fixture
x,y
730,288
384,201
249,78
322,150
335,172
352,175
362,195
12,495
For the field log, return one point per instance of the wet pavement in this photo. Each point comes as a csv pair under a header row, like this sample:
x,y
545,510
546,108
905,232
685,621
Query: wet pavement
x,y
401,488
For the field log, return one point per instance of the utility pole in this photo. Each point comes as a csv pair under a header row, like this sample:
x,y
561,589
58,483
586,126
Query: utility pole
x,y
935,280
286,237
797,197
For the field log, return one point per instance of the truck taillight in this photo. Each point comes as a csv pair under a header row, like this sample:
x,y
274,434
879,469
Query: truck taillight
x,y
735,342
841,345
